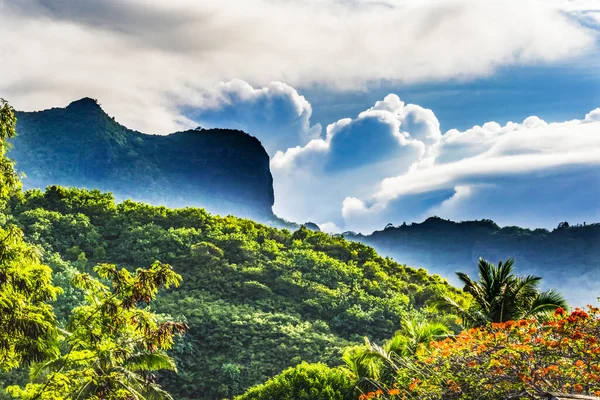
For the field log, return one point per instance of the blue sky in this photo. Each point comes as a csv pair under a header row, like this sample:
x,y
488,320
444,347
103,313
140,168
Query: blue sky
x,y
553,93
372,111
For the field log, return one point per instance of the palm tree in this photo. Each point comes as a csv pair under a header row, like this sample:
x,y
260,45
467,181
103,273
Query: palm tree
x,y
501,296
373,366
413,335
132,375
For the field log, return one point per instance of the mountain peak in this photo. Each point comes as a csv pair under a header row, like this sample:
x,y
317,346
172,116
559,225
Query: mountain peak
x,y
84,103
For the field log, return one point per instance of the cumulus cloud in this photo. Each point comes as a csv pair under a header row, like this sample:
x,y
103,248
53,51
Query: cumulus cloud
x,y
277,113
146,61
312,180
593,116
379,135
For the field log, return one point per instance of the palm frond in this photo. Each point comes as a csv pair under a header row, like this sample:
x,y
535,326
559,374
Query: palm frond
x,y
152,391
397,345
501,296
469,317
362,362
546,303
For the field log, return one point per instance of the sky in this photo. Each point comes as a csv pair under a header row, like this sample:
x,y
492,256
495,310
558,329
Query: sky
x,y
372,111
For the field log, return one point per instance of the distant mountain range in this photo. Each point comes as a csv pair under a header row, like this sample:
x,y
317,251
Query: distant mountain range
x,y
224,171
568,258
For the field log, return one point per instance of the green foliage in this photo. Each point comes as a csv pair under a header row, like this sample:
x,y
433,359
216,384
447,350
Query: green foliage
x,y
112,343
305,382
9,180
27,323
70,234
372,365
257,299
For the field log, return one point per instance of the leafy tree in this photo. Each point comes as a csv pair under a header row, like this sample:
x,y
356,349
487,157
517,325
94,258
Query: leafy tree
x,y
372,365
27,324
500,296
257,299
9,180
112,345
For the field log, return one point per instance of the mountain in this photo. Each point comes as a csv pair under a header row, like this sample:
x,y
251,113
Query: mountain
x,y
224,171
568,258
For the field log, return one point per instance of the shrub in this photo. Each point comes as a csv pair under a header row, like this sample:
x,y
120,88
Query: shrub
x,y
305,382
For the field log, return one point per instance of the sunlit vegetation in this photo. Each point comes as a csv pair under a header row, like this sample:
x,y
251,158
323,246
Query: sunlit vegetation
x,y
501,296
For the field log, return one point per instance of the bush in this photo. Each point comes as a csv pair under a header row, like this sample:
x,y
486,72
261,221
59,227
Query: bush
x,y
305,382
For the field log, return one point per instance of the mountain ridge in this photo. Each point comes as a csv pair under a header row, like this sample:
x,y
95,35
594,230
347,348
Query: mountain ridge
x,y
224,171
568,257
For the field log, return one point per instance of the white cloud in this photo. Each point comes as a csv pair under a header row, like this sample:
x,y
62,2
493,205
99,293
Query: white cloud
x,y
145,59
312,180
517,151
391,163
593,116
330,227
277,113
387,132
517,173
448,207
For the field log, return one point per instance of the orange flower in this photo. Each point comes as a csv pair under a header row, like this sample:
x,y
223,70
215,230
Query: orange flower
x,y
394,392
579,314
577,335
414,384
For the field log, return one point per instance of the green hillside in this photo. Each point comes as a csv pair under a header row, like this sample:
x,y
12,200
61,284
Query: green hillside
x,y
256,299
